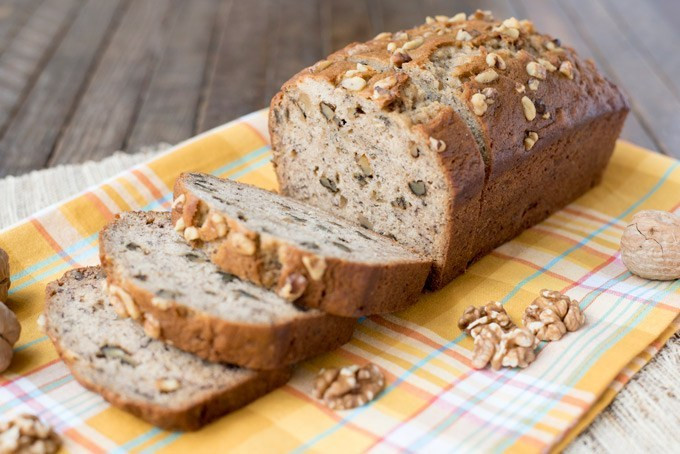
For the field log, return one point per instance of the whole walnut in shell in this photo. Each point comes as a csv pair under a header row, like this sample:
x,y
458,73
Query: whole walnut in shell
x,y
650,245
10,329
4,275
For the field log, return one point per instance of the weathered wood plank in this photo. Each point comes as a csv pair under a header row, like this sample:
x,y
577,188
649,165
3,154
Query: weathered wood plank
x,y
292,47
399,15
547,15
238,72
44,111
104,115
13,16
169,111
343,22
22,60
650,99
655,36
501,9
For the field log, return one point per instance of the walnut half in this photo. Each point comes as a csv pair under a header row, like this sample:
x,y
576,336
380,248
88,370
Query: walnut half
x,y
552,314
475,318
348,387
493,345
27,433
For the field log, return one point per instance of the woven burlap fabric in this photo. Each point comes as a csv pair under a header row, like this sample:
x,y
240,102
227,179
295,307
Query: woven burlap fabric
x,y
644,416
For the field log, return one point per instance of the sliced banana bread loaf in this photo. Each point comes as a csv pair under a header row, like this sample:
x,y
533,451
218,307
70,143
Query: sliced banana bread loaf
x,y
180,296
452,137
308,255
113,356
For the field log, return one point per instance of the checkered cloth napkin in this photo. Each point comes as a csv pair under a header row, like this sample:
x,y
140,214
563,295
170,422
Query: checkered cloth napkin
x,y
434,400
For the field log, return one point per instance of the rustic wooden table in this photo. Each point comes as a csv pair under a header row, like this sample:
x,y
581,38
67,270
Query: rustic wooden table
x,y
82,78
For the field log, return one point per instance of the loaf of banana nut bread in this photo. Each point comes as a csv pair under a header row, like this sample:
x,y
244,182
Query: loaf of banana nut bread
x,y
114,357
451,137
311,257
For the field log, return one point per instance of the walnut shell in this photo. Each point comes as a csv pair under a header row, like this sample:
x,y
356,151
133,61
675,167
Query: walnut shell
x,y
650,245
10,329
4,275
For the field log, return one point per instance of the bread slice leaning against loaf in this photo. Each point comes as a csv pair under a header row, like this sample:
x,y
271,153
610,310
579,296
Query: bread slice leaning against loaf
x,y
452,137
179,296
113,357
306,254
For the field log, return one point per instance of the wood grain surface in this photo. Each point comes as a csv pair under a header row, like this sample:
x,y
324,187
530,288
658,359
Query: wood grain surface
x,y
80,79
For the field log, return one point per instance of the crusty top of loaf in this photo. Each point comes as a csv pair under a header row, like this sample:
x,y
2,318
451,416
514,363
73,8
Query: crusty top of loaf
x,y
114,353
145,250
482,68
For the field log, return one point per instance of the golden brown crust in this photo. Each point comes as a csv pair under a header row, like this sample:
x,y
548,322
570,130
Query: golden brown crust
x,y
571,100
190,417
255,346
343,288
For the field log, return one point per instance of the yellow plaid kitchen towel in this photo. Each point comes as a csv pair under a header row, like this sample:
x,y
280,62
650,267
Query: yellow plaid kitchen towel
x,y
434,400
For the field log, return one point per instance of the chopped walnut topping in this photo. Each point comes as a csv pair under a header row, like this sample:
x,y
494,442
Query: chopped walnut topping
x,y
179,201
320,66
241,243
491,95
437,145
486,76
480,14
511,23
383,35
519,88
293,287
493,345
536,70
401,36
495,61
509,28
355,83
26,433
441,18
191,233
414,43
526,26
348,387
479,105
462,35
391,47
475,318
552,314
533,84
530,139
457,18
429,20
180,225
152,327
316,266
529,108
547,65
399,57
567,69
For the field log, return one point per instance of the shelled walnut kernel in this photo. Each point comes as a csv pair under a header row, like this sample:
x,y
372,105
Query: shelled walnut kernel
x,y
27,433
348,387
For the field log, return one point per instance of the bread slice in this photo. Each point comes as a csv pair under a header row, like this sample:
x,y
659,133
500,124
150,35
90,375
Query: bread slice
x,y
180,296
4,275
113,356
453,136
308,255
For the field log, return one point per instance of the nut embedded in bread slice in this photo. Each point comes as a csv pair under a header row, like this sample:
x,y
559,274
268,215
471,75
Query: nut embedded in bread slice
x,y
179,296
159,383
307,255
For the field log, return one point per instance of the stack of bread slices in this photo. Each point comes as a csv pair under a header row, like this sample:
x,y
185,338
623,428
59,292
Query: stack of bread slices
x,y
197,312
